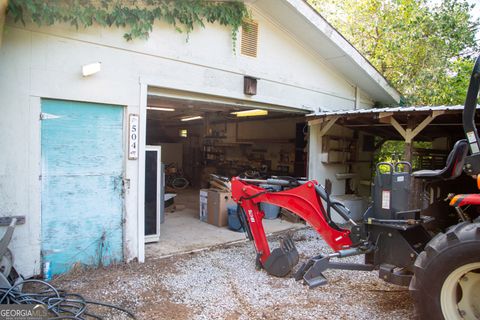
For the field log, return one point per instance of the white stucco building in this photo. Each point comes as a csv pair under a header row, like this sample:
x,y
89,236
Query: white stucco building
x,y
302,65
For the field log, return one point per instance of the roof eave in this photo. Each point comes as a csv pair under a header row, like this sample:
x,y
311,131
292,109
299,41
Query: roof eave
x,y
338,52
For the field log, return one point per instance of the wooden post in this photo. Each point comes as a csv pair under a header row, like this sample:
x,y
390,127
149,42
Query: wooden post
x,y
407,154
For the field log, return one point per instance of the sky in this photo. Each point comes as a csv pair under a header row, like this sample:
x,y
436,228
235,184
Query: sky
x,y
476,13
476,10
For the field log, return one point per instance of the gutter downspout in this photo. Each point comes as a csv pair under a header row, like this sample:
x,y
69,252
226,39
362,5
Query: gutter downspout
x,y
357,98
3,14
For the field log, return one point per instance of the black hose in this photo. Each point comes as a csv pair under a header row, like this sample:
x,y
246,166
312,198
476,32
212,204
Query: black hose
x,y
59,303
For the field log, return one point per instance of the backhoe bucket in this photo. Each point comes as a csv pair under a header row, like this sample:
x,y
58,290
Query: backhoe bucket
x,y
282,260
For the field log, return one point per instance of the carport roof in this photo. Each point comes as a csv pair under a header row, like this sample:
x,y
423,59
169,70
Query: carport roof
x,y
425,123
395,110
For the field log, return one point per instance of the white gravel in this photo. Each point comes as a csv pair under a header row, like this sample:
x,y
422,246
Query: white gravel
x,y
223,284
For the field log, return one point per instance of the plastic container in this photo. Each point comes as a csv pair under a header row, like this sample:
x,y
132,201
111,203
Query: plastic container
x,y
233,221
271,211
356,204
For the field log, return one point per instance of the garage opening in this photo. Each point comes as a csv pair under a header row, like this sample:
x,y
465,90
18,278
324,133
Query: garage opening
x,y
201,142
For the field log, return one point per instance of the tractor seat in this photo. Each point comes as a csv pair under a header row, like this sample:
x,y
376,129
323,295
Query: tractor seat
x,y
453,167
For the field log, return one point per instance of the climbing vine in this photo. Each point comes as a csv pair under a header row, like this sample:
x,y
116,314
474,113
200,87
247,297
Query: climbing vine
x,y
138,16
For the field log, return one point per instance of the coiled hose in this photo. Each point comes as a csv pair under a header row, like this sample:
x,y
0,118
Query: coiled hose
x,y
59,303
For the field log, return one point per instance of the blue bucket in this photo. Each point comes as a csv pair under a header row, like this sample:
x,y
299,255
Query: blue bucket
x,y
233,221
271,211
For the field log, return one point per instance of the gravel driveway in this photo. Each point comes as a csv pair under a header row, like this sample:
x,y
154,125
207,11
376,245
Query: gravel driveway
x,y
223,284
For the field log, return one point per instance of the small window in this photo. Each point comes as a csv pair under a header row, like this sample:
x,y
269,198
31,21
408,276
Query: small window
x,y
249,38
183,133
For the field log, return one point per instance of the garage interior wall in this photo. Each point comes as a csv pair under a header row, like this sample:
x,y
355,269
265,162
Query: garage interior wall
x,y
240,144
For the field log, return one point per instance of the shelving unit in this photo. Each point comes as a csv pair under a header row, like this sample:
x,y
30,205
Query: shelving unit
x,y
213,152
214,148
338,150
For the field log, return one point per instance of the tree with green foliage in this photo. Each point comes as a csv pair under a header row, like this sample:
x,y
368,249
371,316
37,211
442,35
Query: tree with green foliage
x,y
424,48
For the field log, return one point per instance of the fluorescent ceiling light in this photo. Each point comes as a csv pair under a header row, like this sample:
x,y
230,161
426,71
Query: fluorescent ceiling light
x,y
160,109
191,118
91,68
251,113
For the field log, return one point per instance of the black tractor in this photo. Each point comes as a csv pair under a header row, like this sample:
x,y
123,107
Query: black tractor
x,y
441,264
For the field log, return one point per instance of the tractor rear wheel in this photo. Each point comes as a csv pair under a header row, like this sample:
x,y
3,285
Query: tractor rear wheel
x,y
446,283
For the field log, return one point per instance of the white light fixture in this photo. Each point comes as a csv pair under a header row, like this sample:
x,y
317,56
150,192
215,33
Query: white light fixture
x,y
160,109
91,68
251,113
191,118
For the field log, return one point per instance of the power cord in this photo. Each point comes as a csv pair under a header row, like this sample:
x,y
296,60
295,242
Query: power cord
x,y
59,303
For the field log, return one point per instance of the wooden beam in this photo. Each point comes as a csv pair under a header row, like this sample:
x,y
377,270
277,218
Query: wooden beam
x,y
436,113
398,127
384,114
384,120
328,125
412,133
316,121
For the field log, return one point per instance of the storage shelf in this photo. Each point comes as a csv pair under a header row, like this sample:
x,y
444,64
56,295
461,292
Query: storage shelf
x,y
338,150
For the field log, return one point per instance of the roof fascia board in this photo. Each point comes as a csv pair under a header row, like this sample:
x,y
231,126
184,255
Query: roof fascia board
x,y
338,40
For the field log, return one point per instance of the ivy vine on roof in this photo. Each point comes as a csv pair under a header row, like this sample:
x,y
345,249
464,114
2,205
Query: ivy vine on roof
x,y
137,16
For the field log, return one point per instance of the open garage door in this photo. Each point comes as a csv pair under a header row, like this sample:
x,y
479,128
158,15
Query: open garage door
x,y
201,136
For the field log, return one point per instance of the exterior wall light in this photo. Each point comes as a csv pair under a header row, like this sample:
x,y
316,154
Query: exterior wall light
x,y
91,68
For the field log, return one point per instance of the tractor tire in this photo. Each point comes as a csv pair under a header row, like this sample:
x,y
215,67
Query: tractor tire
x,y
446,281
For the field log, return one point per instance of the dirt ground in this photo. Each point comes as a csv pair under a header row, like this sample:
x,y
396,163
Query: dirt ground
x,y
223,284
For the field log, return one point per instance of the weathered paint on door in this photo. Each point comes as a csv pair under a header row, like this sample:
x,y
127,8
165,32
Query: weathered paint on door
x,y
82,169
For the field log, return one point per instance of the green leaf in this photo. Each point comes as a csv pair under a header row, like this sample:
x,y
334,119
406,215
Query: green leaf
x,y
138,16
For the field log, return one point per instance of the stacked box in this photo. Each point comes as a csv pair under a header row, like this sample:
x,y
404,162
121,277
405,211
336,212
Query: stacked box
x,y
217,207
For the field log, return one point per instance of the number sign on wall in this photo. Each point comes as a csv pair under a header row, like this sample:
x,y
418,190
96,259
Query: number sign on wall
x,y
133,137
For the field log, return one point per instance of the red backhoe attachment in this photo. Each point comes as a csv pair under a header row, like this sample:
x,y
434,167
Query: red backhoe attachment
x,y
304,198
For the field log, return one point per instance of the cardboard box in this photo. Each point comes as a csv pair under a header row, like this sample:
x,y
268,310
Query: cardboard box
x,y
203,204
218,201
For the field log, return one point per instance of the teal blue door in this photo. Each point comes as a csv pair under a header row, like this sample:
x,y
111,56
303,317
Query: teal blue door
x,y
82,170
